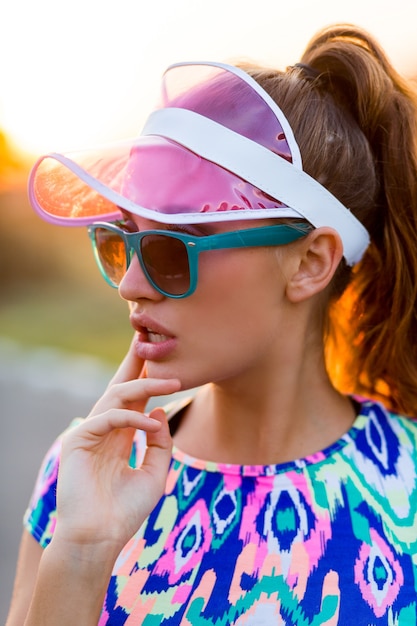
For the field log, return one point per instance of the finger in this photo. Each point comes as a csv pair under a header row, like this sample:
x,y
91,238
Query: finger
x,y
142,389
101,425
159,446
131,367
144,372
134,394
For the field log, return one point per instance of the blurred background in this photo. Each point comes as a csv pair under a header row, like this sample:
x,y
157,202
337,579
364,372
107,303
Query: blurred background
x,y
76,74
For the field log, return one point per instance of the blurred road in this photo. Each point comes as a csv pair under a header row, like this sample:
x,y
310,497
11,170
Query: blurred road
x,y
40,392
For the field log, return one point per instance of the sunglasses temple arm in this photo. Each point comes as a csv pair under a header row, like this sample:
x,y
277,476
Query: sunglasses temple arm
x,y
268,236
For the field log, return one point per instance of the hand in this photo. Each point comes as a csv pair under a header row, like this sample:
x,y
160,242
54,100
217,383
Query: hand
x,y
100,499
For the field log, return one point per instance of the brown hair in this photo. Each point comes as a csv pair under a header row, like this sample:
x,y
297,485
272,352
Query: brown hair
x,y
355,120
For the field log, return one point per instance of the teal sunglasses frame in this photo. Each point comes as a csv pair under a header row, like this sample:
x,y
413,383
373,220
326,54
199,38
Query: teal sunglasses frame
x,y
273,235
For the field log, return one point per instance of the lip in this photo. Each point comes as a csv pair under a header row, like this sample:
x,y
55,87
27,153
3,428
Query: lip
x,y
149,350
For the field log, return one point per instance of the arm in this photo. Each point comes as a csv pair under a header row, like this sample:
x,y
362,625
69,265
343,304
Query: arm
x,y
71,584
101,501
30,554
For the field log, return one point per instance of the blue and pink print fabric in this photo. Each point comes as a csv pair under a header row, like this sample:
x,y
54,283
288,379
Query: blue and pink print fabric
x,y
330,539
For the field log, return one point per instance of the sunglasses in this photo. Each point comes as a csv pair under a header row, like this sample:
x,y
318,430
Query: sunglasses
x,y
169,259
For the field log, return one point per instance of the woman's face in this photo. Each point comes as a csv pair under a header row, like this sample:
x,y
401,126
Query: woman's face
x,y
233,324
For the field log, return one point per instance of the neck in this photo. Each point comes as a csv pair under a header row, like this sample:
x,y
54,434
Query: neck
x,y
284,413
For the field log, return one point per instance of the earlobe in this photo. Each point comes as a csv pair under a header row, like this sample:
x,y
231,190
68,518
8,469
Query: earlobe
x,y
316,260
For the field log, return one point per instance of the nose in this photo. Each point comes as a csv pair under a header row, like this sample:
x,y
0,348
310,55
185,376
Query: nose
x,y
135,285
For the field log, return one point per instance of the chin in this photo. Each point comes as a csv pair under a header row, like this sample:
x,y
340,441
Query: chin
x,y
187,379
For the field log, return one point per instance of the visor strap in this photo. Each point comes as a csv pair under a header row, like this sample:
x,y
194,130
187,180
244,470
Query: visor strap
x,y
264,169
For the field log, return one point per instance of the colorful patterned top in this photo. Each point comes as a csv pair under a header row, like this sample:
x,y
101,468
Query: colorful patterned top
x,y
329,539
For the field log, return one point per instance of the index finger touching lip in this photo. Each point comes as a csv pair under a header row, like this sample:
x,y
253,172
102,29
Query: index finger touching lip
x,y
131,367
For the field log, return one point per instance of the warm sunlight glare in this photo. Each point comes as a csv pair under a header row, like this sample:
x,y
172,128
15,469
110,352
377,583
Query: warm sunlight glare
x,y
87,71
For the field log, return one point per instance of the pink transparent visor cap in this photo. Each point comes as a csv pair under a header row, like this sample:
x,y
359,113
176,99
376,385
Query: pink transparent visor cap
x,y
158,178
217,148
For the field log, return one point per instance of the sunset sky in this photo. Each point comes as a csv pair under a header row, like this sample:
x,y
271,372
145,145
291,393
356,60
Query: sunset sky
x,y
87,71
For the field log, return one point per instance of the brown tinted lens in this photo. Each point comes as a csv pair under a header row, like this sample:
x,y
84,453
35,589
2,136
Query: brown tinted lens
x,y
111,251
166,262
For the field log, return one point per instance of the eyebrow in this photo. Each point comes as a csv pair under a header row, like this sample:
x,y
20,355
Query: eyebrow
x,y
189,229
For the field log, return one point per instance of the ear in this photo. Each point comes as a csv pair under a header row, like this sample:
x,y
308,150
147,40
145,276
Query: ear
x,y
315,261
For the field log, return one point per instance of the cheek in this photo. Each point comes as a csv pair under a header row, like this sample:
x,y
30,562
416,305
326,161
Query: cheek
x,y
239,292
243,275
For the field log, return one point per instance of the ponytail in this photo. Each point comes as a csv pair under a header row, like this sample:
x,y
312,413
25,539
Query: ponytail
x,y
378,311
355,121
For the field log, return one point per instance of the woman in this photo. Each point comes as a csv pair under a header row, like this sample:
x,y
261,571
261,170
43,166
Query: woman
x,y
263,231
